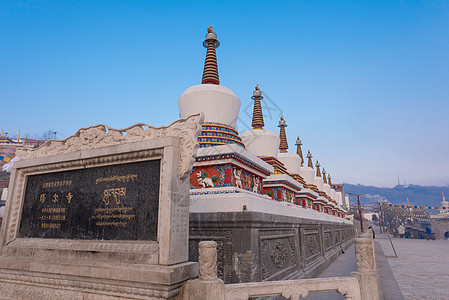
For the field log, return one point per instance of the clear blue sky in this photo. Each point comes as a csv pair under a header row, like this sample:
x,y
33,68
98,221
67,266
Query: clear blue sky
x,y
365,84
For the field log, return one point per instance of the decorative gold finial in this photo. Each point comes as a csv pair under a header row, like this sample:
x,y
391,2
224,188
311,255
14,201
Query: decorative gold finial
x,y
324,176
299,150
210,73
329,179
309,158
318,171
283,145
257,112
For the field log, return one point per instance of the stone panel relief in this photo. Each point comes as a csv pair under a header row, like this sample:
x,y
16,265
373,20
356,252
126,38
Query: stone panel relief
x,y
337,237
276,253
350,233
279,254
312,244
328,240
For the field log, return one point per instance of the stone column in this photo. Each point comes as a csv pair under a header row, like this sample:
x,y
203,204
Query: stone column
x,y
208,286
366,267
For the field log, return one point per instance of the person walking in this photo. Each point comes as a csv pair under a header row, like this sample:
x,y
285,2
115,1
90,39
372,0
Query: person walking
x,y
371,227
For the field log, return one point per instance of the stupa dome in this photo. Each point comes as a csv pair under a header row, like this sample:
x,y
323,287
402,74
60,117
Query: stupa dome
x,y
327,189
308,174
218,103
319,182
261,142
338,198
291,161
333,194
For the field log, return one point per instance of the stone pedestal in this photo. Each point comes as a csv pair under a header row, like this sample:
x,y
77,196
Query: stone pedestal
x,y
31,279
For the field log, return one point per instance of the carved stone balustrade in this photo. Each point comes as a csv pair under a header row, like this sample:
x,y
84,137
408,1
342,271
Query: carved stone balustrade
x,y
361,285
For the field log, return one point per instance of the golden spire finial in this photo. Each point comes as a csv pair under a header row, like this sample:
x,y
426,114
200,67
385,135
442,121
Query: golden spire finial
x,y
324,176
329,179
210,73
318,171
283,145
257,112
309,158
299,150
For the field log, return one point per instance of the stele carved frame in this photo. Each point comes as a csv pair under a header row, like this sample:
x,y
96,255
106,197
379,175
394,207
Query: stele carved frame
x,y
175,145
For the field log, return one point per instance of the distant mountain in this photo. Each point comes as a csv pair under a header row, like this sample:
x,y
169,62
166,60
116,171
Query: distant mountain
x,y
416,194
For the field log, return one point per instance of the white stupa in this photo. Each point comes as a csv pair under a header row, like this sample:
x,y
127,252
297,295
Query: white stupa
x,y
218,103
332,193
259,141
318,180
291,161
444,204
339,199
326,186
307,172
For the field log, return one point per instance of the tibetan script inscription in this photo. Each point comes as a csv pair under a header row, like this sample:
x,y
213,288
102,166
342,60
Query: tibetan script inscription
x,y
116,202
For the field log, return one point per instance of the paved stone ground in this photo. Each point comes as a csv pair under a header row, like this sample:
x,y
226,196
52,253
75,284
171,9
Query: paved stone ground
x,y
346,263
342,266
422,267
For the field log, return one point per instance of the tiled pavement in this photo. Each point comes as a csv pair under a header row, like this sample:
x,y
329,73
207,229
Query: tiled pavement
x,y
422,267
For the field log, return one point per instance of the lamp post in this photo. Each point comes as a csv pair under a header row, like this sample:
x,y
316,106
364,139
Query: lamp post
x,y
380,216
360,210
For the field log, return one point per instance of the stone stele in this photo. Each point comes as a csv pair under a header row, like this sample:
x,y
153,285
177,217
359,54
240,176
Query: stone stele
x,y
102,214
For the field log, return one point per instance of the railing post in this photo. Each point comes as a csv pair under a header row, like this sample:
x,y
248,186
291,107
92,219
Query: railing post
x,y
208,260
207,286
366,267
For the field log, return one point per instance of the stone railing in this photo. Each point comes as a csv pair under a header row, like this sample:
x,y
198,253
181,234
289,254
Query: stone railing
x,y
360,285
294,289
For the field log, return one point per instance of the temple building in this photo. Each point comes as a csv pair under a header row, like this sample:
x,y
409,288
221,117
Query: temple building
x,y
8,148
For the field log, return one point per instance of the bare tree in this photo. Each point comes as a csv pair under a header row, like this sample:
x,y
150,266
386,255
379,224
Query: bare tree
x,y
49,134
